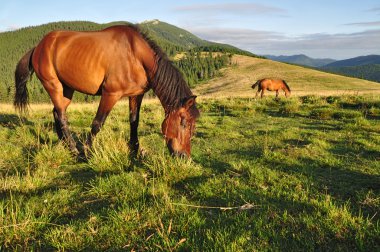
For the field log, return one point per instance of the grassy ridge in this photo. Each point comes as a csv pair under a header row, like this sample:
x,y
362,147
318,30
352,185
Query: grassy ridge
x,y
309,167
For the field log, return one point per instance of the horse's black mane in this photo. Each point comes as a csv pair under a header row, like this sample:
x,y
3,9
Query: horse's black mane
x,y
167,82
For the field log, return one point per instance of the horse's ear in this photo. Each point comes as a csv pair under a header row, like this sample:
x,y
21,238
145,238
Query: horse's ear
x,y
189,101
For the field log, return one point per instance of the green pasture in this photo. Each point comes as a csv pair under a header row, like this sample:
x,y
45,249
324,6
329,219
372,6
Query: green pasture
x,y
300,174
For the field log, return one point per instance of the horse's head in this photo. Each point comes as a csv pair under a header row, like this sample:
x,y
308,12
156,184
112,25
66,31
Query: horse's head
x,y
255,84
178,127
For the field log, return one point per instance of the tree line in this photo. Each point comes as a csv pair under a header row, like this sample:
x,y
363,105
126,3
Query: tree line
x,y
198,66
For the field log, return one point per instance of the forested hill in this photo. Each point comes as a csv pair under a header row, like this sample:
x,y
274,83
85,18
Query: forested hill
x,y
173,40
364,67
357,61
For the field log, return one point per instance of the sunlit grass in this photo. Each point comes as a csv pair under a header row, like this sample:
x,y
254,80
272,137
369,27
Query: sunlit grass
x,y
308,167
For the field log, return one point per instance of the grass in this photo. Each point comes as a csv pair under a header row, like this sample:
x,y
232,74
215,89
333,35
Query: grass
x,y
307,168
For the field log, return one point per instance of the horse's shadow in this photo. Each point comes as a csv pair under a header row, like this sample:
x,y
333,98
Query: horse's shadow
x,y
12,121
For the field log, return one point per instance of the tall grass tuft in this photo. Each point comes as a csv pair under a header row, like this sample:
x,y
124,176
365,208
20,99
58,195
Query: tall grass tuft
x,y
110,152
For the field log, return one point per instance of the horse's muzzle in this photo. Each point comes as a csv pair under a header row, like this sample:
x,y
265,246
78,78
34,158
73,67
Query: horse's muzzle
x,y
182,155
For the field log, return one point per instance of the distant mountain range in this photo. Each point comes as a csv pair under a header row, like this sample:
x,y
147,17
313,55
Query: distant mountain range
x,y
363,67
357,61
301,59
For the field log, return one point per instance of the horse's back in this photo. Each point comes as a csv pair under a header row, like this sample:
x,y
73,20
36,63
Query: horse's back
x,y
272,84
83,60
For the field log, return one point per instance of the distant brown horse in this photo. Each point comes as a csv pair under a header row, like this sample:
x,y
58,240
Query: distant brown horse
x,y
116,62
271,85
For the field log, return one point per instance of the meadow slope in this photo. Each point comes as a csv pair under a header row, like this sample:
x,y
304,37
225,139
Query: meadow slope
x,y
236,81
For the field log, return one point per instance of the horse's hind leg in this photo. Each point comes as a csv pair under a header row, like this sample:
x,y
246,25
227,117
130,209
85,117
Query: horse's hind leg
x,y
262,93
258,91
106,104
134,115
61,100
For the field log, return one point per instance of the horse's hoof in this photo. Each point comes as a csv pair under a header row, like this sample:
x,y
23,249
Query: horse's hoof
x,y
74,151
82,157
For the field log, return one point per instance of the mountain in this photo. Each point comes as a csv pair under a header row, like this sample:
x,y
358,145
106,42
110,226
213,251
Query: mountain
x,y
301,59
364,67
167,34
172,34
357,61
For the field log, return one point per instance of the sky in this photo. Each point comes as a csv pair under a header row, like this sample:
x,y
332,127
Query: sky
x,y
337,29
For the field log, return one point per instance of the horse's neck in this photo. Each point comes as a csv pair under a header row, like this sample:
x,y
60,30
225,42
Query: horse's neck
x,y
169,85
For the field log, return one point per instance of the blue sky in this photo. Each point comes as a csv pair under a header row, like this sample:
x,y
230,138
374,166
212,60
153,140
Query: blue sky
x,y
336,29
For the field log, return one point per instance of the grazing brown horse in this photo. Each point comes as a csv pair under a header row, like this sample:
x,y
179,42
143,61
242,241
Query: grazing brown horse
x,y
271,85
116,62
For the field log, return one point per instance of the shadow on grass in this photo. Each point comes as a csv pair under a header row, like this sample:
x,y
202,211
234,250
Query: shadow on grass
x,y
341,179
275,220
12,121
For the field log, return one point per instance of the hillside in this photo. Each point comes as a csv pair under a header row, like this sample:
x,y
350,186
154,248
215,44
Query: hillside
x,y
14,44
301,59
237,80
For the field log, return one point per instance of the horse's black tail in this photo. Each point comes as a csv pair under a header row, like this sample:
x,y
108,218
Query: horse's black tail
x,y
24,70
287,86
257,83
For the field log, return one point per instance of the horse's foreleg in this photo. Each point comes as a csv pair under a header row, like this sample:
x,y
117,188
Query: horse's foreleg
x,y
277,94
57,124
134,115
107,102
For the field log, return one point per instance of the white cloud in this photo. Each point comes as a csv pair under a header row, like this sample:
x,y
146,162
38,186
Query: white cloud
x,y
267,42
232,8
375,9
375,23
